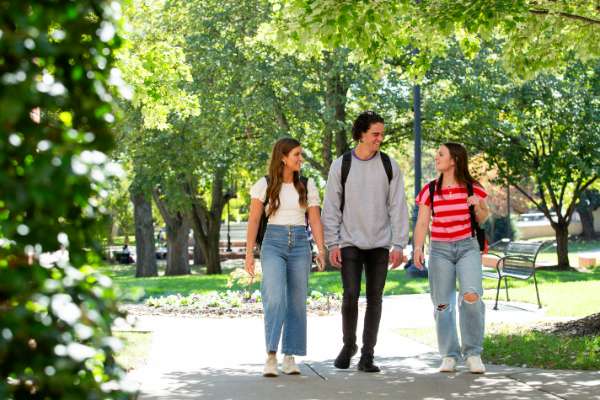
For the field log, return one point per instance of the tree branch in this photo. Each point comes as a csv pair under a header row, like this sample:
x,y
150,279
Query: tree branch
x,y
316,165
525,193
199,215
282,120
577,195
587,20
162,207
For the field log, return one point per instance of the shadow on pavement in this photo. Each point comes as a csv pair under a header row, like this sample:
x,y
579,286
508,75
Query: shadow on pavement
x,y
401,378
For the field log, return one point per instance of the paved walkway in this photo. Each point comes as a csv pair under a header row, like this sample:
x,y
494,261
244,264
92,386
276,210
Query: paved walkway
x,y
223,359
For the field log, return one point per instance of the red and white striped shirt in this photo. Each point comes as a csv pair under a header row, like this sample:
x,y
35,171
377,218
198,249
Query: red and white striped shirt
x,y
451,221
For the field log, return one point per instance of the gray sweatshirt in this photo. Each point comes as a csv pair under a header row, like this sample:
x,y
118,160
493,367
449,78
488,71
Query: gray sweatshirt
x,y
375,211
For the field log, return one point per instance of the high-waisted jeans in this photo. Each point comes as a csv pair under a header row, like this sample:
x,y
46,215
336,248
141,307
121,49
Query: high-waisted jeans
x,y
375,263
286,259
447,262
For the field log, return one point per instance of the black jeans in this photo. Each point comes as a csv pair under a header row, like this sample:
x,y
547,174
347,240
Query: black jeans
x,y
375,262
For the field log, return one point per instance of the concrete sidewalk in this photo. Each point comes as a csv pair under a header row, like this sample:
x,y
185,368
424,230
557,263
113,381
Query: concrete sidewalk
x,y
223,359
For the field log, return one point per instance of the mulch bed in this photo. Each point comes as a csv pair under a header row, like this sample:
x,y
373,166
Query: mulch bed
x,y
587,326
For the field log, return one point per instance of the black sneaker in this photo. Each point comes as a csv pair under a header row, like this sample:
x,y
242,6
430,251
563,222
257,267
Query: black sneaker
x,y
366,365
343,359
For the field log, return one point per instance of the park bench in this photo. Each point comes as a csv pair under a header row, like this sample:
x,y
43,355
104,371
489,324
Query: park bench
x,y
123,257
512,260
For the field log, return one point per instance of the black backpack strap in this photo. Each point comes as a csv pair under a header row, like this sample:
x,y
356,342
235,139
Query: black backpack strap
x,y
471,209
304,181
346,163
387,165
266,191
431,194
264,220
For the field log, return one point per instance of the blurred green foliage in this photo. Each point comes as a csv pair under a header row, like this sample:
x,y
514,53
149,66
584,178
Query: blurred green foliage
x,y
57,83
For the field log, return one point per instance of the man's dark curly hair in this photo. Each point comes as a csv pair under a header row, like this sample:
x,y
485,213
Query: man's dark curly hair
x,y
363,122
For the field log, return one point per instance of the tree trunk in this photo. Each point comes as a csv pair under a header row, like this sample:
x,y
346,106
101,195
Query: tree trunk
x,y
177,247
336,94
178,228
199,258
144,236
213,259
587,217
111,239
207,222
561,229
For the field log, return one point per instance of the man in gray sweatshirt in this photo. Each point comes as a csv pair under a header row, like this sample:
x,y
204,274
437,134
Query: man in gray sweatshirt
x,y
365,220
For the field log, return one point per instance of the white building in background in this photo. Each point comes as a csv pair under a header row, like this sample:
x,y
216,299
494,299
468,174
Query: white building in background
x,y
534,225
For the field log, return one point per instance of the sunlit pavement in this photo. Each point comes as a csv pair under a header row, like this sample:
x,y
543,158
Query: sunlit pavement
x,y
209,358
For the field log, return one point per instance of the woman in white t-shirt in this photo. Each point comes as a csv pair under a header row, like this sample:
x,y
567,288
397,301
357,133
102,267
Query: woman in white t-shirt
x,y
285,253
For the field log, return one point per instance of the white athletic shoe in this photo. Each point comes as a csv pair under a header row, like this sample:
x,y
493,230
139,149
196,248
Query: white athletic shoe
x,y
475,365
289,366
448,364
270,370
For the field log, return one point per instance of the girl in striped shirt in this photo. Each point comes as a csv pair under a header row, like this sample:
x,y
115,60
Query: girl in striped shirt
x,y
454,253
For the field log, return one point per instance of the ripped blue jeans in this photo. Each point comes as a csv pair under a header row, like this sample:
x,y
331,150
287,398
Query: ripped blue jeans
x,y
447,262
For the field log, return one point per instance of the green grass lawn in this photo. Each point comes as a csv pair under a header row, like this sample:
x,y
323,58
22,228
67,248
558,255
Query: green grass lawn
x,y
120,240
548,255
567,293
520,346
527,348
326,282
563,294
559,299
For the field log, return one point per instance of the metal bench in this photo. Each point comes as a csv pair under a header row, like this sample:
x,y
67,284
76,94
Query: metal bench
x,y
514,260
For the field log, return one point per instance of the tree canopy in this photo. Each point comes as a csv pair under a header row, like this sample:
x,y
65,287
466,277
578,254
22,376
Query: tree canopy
x,y
536,34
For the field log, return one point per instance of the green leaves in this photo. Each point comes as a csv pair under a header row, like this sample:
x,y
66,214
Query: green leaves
x,y
541,134
56,69
538,35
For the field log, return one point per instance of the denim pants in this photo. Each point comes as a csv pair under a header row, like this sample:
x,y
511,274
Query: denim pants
x,y
285,258
448,261
375,262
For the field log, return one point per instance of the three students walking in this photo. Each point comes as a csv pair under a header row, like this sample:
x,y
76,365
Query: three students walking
x,y
365,228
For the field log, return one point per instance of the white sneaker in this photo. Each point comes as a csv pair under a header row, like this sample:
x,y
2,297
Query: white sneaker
x,y
475,365
270,366
289,366
448,364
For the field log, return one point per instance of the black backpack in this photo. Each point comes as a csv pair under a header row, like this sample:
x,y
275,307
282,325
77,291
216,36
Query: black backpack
x,y
476,230
264,220
347,162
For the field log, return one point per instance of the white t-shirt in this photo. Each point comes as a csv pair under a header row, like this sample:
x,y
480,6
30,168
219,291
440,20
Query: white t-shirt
x,y
289,211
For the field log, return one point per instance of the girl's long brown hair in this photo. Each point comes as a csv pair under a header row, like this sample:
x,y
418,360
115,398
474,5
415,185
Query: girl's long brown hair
x,y
282,148
461,166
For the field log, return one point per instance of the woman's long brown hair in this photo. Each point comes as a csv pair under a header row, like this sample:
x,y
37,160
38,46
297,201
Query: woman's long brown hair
x,y
461,166
282,148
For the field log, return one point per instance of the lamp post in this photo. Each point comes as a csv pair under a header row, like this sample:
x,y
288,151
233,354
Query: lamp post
x,y
417,131
228,229
231,194
508,227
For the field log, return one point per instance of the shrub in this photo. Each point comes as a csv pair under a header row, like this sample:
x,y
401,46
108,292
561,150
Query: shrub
x,y
55,314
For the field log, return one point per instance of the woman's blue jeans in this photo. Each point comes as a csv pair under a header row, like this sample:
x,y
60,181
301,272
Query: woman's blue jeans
x,y
286,259
447,262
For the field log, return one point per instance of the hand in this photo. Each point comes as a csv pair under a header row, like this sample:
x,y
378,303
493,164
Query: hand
x,y
249,267
335,257
419,258
320,259
396,258
473,201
